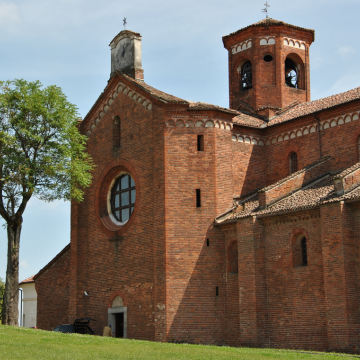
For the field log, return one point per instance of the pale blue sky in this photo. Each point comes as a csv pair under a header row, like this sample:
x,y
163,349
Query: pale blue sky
x,y
65,42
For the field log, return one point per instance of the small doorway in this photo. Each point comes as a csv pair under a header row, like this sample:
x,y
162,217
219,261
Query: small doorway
x,y
117,319
119,325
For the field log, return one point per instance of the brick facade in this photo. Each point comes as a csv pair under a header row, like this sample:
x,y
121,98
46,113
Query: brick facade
x,y
172,264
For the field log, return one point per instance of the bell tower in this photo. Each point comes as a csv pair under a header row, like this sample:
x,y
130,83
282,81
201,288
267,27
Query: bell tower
x,y
126,54
268,67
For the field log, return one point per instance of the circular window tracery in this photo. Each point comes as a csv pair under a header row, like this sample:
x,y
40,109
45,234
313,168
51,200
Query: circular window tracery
x,y
123,195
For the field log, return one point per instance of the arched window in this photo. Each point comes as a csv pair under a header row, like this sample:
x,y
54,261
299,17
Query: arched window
x,y
116,132
233,258
300,257
246,76
291,74
293,163
123,196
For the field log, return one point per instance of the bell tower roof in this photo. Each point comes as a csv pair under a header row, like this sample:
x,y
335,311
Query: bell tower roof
x,y
269,22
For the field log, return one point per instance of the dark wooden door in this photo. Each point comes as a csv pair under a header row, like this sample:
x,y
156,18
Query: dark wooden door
x,y
119,327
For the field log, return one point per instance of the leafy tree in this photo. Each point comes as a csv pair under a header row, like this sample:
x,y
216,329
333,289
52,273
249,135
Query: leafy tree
x,y
42,154
2,290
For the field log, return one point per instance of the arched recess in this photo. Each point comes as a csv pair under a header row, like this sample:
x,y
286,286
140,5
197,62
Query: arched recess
x,y
293,162
244,74
116,132
232,257
299,246
294,71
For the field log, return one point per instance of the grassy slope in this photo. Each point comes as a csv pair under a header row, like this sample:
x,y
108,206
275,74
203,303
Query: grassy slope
x,y
23,343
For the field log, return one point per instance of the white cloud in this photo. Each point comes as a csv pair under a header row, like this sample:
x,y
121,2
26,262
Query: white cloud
x,y
346,50
9,17
24,264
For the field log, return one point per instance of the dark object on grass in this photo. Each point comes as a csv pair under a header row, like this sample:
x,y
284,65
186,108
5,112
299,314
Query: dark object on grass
x,y
80,326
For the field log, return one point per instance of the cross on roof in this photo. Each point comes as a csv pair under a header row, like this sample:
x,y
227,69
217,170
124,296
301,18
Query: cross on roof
x,y
124,23
266,10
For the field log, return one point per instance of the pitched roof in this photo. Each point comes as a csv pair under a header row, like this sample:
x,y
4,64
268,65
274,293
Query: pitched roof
x,y
197,105
53,261
270,22
316,106
248,120
311,195
160,95
28,280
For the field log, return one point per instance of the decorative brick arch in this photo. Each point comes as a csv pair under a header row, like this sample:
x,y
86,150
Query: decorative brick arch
x,y
114,295
101,192
356,143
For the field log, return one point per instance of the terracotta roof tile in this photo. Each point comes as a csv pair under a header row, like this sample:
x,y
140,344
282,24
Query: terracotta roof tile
x,y
270,22
316,105
28,280
306,168
248,120
152,91
347,171
318,192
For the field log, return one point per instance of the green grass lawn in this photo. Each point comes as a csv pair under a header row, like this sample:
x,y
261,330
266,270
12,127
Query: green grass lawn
x,y
23,343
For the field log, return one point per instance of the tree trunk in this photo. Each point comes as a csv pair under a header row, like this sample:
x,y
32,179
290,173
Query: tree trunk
x,y
10,312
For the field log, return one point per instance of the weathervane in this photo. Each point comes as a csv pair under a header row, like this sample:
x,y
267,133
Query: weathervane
x,y
124,23
266,10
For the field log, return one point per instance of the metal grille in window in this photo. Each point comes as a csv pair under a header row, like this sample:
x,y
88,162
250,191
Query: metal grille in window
x,y
291,74
293,163
246,76
123,196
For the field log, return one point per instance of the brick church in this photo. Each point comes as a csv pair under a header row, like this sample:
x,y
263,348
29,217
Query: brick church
x,y
231,226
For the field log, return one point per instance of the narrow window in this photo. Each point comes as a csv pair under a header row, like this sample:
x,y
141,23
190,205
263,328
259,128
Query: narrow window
x,y
200,142
303,252
293,163
217,291
116,133
198,198
207,242
300,251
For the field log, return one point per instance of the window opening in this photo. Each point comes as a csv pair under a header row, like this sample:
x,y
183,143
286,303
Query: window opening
x,y
123,196
246,76
268,58
116,132
293,163
291,74
303,252
217,291
207,242
198,198
200,142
